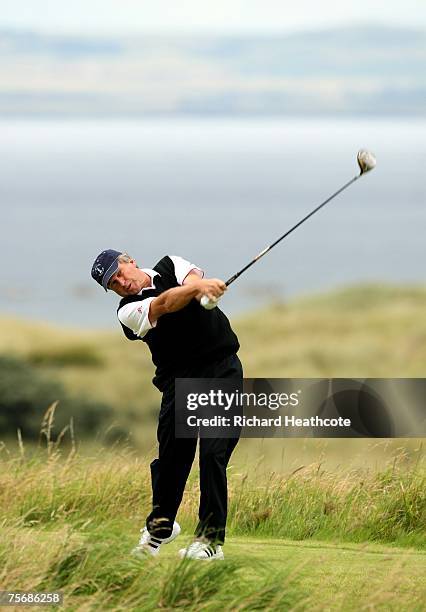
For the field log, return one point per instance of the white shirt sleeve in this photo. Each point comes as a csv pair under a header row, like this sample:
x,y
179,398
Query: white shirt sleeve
x,y
135,316
183,268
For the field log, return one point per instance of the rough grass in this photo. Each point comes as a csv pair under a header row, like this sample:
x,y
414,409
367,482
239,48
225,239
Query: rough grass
x,y
387,506
94,571
296,541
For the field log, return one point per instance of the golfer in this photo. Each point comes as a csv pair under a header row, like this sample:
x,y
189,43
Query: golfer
x,y
160,306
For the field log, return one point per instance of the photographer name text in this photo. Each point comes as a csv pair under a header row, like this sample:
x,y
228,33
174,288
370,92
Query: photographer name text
x,y
278,421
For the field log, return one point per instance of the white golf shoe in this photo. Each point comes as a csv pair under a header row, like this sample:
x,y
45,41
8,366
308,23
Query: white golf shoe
x,y
202,550
150,545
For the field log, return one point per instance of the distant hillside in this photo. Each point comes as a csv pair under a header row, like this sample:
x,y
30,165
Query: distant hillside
x,y
360,70
362,331
104,381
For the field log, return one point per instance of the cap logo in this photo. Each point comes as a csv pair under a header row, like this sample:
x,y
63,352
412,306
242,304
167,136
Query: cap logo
x,y
99,269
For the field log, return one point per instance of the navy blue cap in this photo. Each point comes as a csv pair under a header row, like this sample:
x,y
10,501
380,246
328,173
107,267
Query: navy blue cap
x,y
106,264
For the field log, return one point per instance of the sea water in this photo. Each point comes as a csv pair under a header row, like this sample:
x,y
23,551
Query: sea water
x,y
215,191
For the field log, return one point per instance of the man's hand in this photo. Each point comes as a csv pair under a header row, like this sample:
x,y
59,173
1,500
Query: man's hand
x,y
178,297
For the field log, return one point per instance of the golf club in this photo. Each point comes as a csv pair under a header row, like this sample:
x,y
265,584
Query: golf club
x,y
366,161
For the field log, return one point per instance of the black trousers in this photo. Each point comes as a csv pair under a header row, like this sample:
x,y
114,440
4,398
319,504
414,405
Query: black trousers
x,y
170,471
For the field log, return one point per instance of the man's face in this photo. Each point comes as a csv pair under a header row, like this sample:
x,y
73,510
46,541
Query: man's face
x,y
128,280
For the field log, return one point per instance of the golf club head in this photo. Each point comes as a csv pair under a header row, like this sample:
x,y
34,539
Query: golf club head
x,y
366,161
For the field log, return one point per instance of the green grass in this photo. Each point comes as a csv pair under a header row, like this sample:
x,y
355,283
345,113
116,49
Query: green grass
x,y
299,501
304,540
387,506
93,569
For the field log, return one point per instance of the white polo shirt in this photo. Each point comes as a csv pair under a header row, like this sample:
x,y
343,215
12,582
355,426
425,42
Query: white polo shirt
x,y
135,315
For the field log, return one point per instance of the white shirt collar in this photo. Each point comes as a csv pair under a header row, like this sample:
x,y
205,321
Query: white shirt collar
x,y
151,274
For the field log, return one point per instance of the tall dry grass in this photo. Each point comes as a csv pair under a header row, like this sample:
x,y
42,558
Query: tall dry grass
x,y
388,505
68,521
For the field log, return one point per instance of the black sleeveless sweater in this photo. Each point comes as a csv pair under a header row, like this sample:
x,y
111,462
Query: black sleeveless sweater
x,y
184,338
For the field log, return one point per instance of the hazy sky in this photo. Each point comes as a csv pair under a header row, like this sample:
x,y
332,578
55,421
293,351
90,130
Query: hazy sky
x,y
107,16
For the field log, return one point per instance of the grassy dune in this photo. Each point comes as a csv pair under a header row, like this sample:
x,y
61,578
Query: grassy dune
x,y
365,331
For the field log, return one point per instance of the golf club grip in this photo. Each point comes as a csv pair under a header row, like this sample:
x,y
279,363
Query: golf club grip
x,y
234,278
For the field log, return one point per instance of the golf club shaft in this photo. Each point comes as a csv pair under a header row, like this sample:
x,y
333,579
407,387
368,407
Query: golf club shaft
x,y
267,249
